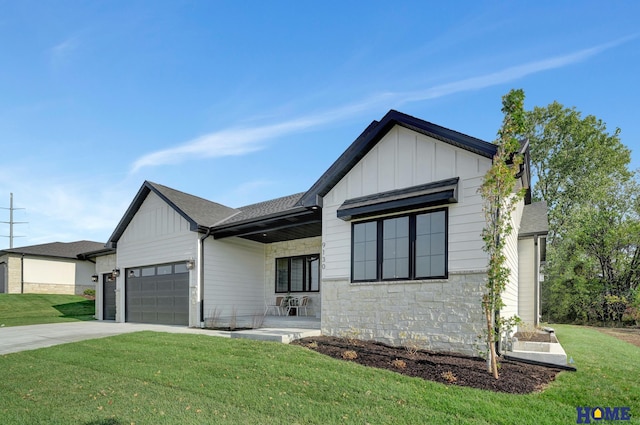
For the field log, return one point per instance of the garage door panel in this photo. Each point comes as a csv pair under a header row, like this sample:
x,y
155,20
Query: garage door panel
x,y
162,299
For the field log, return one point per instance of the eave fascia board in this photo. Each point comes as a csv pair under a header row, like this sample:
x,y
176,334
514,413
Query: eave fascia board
x,y
246,227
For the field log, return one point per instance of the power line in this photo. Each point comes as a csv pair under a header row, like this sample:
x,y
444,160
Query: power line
x,y
11,222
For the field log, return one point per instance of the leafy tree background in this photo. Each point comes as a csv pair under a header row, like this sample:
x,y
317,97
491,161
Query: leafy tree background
x,y
593,259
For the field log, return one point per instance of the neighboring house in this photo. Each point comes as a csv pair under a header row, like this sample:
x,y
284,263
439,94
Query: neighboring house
x,y
51,268
386,243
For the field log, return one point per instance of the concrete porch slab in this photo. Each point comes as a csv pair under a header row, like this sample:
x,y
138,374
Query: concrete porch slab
x,y
545,352
274,334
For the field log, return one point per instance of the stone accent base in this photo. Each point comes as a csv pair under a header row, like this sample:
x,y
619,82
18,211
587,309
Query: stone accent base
x,y
439,315
44,288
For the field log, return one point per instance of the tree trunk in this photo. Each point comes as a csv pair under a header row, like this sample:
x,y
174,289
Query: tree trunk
x,y
492,362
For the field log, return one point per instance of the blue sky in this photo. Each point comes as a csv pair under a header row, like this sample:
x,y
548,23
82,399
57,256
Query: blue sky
x,y
240,102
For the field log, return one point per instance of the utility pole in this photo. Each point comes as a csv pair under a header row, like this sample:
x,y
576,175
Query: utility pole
x,y
11,222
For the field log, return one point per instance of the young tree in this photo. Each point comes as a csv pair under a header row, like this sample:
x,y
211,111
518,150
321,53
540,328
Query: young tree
x,y
500,196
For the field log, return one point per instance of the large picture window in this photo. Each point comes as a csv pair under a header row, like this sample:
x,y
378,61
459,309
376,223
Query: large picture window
x,y
298,274
400,248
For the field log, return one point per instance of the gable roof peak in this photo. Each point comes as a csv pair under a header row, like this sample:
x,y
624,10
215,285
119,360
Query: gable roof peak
x,y
199,212
374,133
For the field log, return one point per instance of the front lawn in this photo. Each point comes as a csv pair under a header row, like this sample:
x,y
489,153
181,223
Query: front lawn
x,y
33,309
157,378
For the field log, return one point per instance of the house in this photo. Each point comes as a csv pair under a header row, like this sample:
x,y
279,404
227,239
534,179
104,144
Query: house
x,y
51,268
386,243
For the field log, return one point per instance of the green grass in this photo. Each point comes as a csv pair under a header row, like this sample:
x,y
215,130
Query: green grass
x,y
156,378
32,309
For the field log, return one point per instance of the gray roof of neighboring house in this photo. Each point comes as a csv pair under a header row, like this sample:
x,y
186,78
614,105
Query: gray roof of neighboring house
x,y
57,249
534,220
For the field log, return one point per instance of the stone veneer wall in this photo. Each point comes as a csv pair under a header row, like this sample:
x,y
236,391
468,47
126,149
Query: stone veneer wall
x,y
55,288
439,315
291,249
14,274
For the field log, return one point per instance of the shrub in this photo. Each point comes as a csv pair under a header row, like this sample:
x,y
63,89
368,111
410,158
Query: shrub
x,y
90,292
398,363
449,377
349,355
631,316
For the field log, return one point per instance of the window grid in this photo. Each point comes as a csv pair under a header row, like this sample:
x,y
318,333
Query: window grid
x,y
408,247
298,274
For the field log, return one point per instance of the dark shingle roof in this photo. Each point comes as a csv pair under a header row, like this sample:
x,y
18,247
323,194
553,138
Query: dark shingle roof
x,y
534,220
264,209
201,211
58,249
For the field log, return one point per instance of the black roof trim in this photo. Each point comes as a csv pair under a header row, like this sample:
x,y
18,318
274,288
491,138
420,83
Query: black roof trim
x,y
148,187
372,135
425,195
259,220
135,205
297,217
96,253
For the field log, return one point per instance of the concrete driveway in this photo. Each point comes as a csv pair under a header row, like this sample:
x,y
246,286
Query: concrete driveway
x,y
21,338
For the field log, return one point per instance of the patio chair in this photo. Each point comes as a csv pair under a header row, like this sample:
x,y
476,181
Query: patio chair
x,y
299,304
277,308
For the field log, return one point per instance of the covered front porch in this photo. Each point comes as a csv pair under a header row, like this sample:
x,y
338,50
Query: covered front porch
x,y
291,244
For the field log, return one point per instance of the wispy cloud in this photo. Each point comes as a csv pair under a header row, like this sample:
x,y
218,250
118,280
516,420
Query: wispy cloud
x,y
61,51
229,142
244,140
509,74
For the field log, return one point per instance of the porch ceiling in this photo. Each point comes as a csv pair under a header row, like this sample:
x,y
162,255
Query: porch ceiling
x,y
278,229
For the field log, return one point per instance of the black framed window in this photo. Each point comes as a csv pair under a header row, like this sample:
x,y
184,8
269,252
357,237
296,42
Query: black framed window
x,y
408,247
298,274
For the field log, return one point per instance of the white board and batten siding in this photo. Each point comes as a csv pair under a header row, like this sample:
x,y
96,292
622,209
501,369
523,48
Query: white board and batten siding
x,y
404,158
233,277
510,294
157,234
526,289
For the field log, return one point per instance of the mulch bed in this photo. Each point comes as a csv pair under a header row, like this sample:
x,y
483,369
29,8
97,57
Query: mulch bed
x,y
446,368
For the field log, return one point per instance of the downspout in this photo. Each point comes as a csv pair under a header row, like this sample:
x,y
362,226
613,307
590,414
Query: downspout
x,y
536,280
22,274
201,273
